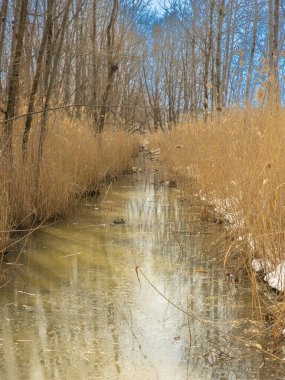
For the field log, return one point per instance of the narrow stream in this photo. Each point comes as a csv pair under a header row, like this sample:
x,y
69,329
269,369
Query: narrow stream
x,y
75,308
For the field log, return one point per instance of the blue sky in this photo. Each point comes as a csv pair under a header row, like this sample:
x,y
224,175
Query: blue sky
x,y
155,4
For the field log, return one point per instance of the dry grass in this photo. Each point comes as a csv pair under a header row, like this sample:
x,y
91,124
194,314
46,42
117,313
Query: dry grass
x,y
236,162
74,162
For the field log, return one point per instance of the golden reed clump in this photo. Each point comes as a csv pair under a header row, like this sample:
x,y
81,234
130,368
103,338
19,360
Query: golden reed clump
x,y
236,160
74,162
235,163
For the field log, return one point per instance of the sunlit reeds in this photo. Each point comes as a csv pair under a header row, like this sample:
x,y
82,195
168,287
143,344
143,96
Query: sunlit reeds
x,y
73,164
236,162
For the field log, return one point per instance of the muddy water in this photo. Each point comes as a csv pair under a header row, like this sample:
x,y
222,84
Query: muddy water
x,y
74,308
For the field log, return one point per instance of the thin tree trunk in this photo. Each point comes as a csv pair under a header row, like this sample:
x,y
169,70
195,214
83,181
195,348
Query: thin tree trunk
x,y
252,51
276,53
207,60
3,19
231,55
94,64
16,25
50,85
226,60
28,51
112,66
270,50
219,53
213,81
185,83
13,87
67,70
78,66
194,61
35,84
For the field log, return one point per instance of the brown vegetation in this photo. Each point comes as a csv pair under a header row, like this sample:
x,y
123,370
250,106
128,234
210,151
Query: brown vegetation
x,y
235,162
74,162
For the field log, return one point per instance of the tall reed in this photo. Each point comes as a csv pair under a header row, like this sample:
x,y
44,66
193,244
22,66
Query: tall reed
x,y
74,162
236,162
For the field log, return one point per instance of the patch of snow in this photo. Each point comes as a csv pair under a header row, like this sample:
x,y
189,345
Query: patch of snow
x,y
155,152
276,279
261,265
257,265
274,275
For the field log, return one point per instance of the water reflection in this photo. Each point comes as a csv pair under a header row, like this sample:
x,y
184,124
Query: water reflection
x,y
77,311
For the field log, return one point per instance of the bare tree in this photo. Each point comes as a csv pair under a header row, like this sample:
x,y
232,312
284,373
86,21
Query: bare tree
x,y
3,19
51,76
276,52
218,54
39,64
252,51
13,87
94,63
112,65
208,52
